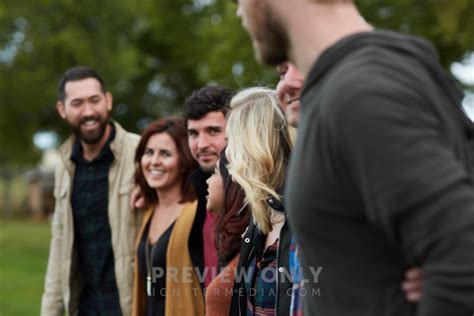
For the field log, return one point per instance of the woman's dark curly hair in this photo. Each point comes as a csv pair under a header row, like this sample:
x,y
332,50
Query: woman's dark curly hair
x,y
232,219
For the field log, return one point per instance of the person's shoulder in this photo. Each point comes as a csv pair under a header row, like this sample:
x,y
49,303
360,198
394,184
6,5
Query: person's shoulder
x,y
383,55
190,205
65,150
374,73
373,63
132,137
126,136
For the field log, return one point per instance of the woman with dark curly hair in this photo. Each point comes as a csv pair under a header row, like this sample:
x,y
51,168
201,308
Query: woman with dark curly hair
x,y
226,198
162,282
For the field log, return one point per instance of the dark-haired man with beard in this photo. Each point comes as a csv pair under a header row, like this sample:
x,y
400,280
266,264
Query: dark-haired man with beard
x,y
93,230
380,178
204,111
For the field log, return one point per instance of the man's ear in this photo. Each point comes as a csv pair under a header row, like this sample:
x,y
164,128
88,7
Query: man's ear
x,y
60,107
109,99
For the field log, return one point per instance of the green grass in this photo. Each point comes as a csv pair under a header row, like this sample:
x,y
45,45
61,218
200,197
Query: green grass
x,y
24,250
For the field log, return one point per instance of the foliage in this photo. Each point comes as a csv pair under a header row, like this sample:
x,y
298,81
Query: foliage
x,y
447,23
153,53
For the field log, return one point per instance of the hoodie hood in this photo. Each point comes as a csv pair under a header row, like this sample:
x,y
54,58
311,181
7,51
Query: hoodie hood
x,y
405,45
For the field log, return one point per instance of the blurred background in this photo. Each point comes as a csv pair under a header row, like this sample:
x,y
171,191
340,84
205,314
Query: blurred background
x,y
152,54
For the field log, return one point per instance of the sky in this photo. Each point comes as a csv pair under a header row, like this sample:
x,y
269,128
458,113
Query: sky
x,y
464,70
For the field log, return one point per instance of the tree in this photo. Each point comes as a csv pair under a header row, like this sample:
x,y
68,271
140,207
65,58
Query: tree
x,y
153,53
446,23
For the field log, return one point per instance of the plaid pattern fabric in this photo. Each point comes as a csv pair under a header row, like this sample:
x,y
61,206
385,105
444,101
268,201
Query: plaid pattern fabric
x,y
92,236
261,297
296,307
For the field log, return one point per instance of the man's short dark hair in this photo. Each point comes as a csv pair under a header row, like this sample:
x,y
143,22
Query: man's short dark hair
x,y
77,73
205,100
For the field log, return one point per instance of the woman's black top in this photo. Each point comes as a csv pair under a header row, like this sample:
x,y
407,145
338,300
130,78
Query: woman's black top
x,y
155,304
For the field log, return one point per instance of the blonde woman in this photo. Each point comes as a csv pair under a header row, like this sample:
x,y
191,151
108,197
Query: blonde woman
x,y
259,147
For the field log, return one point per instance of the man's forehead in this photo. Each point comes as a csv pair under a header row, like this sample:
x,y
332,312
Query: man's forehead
x,y
214,119
81,89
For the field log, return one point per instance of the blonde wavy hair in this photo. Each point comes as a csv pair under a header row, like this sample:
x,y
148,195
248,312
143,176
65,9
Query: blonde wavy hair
x,y
259,147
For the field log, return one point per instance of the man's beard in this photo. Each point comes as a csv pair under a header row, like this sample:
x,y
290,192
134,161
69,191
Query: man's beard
x,y
271,48
94,136
206,168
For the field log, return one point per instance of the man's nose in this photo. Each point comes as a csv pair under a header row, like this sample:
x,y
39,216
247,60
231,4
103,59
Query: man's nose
x,y
203,142
88,109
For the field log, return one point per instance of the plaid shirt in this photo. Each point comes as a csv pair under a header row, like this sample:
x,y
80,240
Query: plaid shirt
x,y
261,297
92,237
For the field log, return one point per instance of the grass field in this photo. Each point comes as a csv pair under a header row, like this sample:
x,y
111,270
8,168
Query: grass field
x,y
24,250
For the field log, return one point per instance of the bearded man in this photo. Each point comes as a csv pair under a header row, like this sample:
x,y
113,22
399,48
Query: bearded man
x,y
93,229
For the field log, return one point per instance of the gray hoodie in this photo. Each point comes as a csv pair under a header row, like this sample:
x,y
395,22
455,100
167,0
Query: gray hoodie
x,y
380,181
